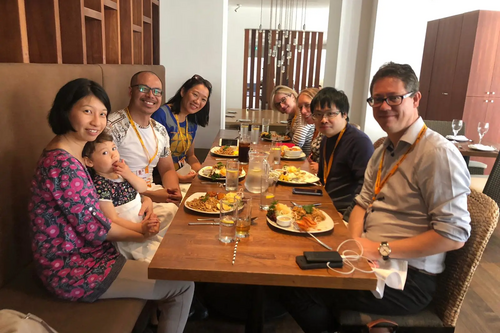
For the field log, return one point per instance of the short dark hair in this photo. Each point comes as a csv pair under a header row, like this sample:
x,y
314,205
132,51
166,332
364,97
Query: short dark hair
x,y
403,72
328,96
201,117
89,147
133,80
67,97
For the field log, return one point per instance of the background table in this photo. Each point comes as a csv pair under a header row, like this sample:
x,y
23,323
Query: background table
x,y
278,120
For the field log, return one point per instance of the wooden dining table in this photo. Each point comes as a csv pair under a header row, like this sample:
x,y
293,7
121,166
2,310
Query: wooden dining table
x,y
470,152
265,258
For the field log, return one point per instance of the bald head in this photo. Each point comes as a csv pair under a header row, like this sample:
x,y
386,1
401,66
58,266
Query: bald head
x,y
139,75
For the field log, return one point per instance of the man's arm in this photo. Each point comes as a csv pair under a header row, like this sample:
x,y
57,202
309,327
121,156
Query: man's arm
x,y
356,221
423,245
171,191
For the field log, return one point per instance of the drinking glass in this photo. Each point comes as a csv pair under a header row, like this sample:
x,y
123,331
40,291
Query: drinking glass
x,y
265,125
232,174
482,128
244,148
456,126
255,134
244,217
268,185
275,152
228,218
244,130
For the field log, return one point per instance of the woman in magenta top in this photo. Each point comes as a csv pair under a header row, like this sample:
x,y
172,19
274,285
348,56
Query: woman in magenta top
x,y
71,238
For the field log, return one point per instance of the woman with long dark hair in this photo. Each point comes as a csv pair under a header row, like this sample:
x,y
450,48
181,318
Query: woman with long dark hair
x,y
181,116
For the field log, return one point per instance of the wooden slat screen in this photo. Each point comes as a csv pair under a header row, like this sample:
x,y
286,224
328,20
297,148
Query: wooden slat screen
x,y
260,71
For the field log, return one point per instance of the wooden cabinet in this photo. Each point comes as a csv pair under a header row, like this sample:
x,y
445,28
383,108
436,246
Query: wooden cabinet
x,y
460,75
80,31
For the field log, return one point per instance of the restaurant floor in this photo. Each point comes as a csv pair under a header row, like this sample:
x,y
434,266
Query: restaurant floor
x,y
480,311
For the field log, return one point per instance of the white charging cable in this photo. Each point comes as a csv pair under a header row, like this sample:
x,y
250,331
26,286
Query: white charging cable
x,y
348,255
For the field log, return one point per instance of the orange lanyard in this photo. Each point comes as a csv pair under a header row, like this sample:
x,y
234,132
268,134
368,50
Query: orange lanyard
x,y
378,184
326,169
185,136
142,142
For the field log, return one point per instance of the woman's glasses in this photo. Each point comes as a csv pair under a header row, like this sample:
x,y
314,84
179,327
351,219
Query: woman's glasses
x,y
199,78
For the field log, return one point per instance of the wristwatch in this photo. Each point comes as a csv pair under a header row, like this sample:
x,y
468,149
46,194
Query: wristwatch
x,y
385,250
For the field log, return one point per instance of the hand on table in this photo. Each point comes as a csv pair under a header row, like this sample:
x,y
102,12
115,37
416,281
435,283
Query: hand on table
x,y
187,178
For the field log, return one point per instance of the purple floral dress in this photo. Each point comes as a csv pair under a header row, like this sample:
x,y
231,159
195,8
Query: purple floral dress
x,y
71,254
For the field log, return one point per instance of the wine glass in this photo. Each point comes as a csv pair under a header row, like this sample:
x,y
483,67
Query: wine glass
x,y
456,126
482,128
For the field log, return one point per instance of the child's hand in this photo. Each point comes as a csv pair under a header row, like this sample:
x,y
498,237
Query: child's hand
x,y
150,227
121,168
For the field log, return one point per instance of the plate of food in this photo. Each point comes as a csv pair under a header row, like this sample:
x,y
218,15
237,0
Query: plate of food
x,y
299,219
217,172
292,153
266,136
207,202
225,151
294,175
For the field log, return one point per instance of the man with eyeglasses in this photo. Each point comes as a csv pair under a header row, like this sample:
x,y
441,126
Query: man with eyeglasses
x,y
411,211
344,151
144,144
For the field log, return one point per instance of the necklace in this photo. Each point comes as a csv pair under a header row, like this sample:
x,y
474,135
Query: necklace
x,y
143,127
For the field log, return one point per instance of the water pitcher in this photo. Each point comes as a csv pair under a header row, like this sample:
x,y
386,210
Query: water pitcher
x,y
258,167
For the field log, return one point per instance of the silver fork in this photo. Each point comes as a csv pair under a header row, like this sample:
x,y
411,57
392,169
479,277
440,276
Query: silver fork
x,y
297,205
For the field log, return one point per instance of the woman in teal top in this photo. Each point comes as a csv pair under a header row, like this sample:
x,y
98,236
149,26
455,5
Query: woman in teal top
x,y
181,116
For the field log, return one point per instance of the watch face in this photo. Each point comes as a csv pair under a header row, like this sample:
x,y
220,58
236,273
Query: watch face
x,y
385,250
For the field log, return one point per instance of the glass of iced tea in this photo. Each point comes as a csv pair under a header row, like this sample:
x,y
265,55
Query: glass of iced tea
x,y
244,217
244,148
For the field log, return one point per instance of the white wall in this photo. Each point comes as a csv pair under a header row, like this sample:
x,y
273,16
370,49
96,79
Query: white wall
x,y
406,22
193,37
248,17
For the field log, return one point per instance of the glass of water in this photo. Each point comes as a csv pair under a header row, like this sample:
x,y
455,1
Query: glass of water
x,y
228,218
268,189
482,128
255,134
456,126
244,217
275,156
244,130
232,175
265,125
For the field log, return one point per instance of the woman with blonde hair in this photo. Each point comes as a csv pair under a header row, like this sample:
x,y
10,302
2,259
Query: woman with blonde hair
x,y
284,100
305,131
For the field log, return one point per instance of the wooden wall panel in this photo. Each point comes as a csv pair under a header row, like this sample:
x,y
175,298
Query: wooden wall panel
x,y
44,39
13,32
73,41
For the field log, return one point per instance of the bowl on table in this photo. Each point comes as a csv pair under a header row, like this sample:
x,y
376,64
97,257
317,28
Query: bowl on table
x,y
293,152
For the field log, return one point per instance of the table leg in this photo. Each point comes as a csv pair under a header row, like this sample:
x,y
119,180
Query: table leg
x,y
255,318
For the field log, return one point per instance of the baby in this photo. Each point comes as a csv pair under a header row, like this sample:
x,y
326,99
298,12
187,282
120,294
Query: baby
x,y
118,189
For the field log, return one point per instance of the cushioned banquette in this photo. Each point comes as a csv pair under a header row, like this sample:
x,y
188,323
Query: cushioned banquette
x,y
26,95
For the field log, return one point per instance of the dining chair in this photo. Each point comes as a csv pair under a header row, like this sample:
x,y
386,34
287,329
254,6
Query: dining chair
x,y
443,127
442,314
379,142
492,187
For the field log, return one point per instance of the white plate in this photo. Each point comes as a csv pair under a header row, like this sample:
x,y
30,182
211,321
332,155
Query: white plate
x,y
216,148
205,173
323,226
288,139
482,147
294,158
310,178
458,138
196,196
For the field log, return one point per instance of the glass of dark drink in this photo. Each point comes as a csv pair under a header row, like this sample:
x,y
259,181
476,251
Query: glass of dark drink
x,y
244,149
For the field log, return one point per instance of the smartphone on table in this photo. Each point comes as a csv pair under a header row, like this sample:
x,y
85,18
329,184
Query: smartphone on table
x,y
307,191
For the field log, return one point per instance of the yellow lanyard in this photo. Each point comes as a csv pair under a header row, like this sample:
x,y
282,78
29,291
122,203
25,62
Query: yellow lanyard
x,y
142,142
378,184
185,135
326,169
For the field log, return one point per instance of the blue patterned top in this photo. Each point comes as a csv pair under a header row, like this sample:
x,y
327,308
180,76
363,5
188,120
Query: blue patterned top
x,y
180,139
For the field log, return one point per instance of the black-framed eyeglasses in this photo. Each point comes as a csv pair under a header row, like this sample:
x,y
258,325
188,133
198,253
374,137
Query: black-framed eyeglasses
x,y
282,100
200,79
328,115
146,89
390,100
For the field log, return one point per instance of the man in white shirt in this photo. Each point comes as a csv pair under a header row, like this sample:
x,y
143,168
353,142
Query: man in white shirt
x,y
144,144
412,208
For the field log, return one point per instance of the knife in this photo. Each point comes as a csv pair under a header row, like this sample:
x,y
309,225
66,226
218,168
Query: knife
x,y
216,221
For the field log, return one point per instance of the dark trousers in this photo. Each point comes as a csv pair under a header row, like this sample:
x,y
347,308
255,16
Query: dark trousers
x,y
314,309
